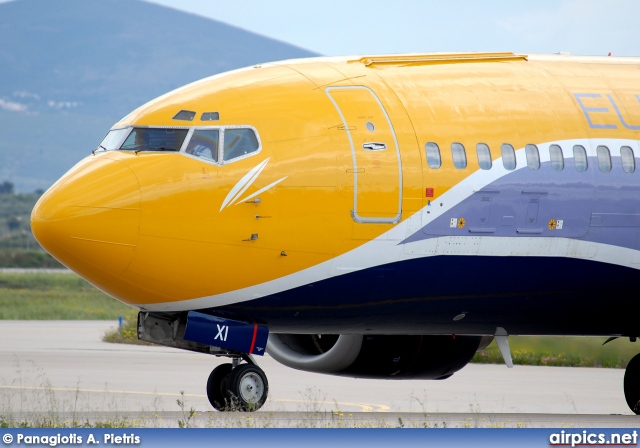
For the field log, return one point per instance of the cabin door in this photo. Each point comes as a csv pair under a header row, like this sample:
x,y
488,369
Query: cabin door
x,y
377,170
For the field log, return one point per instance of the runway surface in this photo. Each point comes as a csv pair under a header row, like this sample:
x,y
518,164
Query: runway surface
x,y
63,368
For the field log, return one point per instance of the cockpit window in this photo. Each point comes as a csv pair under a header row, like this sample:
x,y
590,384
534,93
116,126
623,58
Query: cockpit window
x,y
204,144
155,139
113,139
186,115
210,116
239,142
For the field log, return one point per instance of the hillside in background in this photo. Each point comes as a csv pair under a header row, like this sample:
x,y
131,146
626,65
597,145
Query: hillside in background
x,y
72,68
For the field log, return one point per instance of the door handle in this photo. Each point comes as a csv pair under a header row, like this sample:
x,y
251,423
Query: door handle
x,y
374,146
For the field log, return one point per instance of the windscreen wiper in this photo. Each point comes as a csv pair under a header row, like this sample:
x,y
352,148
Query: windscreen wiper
x,y
99,146
162,148
158,148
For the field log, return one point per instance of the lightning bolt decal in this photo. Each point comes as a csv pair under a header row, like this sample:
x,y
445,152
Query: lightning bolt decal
x,y
244,183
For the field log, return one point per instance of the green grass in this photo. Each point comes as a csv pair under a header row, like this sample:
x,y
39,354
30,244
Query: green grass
x,y
128,334
563,351
45,296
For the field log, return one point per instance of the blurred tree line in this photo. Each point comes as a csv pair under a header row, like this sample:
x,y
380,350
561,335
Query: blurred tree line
x,y
6,187
18,247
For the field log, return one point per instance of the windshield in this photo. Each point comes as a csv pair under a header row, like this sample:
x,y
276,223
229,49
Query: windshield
x,y
155,139
204,144
113,139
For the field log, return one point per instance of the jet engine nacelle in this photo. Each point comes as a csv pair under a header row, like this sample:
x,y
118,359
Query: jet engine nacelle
x,y
375,356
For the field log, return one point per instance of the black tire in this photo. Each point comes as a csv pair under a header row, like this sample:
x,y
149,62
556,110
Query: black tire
x,y
247,388
632,384
217,387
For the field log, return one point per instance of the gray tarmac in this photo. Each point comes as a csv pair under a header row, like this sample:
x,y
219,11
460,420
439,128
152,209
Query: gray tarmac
x,y
62,369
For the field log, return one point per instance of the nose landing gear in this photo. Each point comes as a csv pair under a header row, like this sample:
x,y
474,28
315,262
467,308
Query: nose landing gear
x,y
240,388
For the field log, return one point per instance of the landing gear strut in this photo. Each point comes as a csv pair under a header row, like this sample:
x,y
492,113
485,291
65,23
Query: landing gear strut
x,y
632,384
240,388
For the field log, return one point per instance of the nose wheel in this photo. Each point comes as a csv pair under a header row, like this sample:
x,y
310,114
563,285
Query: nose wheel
x,y
243,388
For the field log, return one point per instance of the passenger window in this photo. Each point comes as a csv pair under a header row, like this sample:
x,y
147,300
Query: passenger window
x,y
204,144
604,159
239,142
459,156
533,157
628,159
484,156
508,156
557,158
580,158
433,155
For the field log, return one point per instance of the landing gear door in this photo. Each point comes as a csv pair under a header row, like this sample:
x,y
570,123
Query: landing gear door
x,y
377,170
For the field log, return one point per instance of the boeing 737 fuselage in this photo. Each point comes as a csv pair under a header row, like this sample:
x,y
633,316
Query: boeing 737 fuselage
x,y
380,217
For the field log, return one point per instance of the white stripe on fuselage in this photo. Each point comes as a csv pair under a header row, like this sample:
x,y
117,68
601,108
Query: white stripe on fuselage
x,y
385,249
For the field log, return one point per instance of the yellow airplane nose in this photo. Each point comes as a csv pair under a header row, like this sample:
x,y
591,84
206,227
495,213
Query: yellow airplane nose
x,y
89,219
